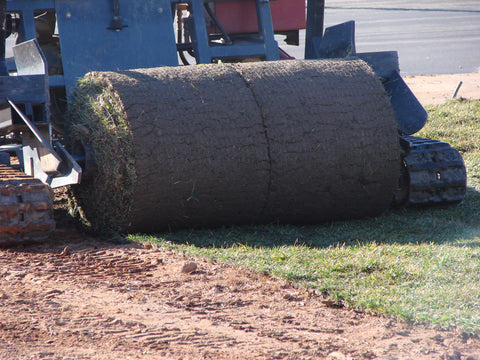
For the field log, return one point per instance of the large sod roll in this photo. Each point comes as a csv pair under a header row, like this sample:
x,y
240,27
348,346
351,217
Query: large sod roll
x,y
209,145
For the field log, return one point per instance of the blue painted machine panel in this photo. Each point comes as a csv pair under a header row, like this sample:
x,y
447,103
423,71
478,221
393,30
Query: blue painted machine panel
x,y
89,41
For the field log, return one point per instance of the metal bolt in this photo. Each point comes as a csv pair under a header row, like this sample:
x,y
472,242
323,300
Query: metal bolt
x,y
160,10
68,15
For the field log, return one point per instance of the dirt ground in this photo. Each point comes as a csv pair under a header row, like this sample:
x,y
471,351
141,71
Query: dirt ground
x,y
436,89
77,297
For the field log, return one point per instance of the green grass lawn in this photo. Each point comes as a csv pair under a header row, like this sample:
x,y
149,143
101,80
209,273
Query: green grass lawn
x,y
417,265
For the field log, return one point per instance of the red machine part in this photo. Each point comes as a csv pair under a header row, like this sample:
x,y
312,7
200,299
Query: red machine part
x,y
240,16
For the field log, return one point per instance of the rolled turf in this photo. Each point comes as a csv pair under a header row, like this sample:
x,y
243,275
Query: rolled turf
x,y
211,145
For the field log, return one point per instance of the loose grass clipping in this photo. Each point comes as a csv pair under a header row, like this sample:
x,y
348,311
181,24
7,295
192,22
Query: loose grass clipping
x,y
212,145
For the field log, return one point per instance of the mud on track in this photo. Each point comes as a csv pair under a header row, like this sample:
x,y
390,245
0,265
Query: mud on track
x,y
76,297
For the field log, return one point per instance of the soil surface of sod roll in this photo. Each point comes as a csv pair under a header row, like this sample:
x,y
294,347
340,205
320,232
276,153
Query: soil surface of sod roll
x,y
210,145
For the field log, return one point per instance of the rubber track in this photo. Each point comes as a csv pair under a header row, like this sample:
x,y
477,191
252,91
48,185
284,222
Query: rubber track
x,y
26,208
436,171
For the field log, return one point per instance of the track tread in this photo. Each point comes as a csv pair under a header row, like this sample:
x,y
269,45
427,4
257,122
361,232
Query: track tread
x,y
26,208
437,173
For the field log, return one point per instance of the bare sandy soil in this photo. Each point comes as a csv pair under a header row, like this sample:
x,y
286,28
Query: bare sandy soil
x,y
78,297
436,89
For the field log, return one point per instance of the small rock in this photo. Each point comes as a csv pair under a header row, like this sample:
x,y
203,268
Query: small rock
x,y
438,339
456,355
336,356
60,322
369,355
189,268
65,251
157,261
335,304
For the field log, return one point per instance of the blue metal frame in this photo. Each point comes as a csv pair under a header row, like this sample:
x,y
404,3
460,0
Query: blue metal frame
x,y
89,43
263,45
314,28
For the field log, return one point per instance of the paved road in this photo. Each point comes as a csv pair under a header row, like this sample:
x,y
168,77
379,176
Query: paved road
x,y
431,36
